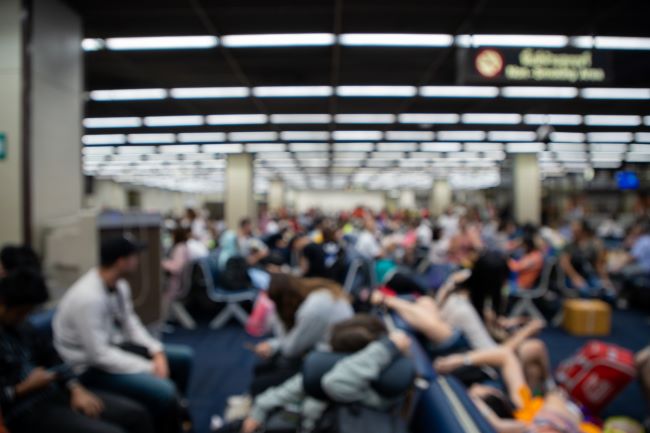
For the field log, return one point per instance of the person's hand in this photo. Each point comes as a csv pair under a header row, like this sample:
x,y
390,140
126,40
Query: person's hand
x,y
536,325
579,282
263,350
401,341
160,365
377,298
39,378
460,276
250,425
84,402
447,364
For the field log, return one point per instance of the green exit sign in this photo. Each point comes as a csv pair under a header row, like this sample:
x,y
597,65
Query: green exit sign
x,y
3,146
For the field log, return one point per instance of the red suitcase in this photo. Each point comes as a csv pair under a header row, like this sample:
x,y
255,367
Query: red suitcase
x,y
596,374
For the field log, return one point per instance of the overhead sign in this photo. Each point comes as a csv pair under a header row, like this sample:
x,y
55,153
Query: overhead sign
x,y
533,65
3,146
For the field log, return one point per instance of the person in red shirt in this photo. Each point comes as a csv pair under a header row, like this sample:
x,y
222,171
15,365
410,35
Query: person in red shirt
x,y
529,267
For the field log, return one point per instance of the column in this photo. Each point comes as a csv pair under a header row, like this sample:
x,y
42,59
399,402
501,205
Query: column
x,y
527,189
407,200
441,196
239,200
11,158
276,197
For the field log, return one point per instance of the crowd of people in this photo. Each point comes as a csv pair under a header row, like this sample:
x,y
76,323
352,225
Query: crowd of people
x,y
448,278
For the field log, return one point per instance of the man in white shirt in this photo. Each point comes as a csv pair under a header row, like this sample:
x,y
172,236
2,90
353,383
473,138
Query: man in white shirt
x,y
97,332
367,244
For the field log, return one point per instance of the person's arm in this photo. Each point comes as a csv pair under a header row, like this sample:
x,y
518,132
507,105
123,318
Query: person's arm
x,y
176,263
349,381
570,271
523,334
98,349
501,425
291,391
464,317
133,327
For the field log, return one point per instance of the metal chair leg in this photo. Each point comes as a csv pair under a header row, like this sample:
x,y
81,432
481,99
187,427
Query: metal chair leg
x,y
180,313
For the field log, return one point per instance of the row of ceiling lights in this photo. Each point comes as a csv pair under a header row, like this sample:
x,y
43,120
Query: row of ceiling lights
x,y
365,39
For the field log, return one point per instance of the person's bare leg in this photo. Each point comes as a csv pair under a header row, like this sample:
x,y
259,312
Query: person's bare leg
x,y
643,367
423,316
533,353
501,357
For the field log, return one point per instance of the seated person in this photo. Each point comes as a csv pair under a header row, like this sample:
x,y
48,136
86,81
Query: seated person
x,y
325,259
97,331
367,244
636,263
175,264
307,309
371,350
529,267
37,392
14,257
584,262
516,410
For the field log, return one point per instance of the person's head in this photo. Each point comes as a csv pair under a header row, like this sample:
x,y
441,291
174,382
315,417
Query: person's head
x,y
529,244
369,224
246,227
13,257
21,291
581,229
356,333
190,214
489,274
289,292
329,235
180,235
120,255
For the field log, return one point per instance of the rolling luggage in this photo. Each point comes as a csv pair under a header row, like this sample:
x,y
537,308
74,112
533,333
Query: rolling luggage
x,y
596,374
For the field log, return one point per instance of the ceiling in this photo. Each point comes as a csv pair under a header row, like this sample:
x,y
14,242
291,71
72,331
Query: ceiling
x,y
383,159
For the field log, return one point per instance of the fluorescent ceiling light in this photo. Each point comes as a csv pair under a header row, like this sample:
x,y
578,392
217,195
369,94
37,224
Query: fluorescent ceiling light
x,y
97,151
151,138
209,92
311,155
410,135
305,135
266,147
309,147
461,135
646,120
638,157
90,140
201,137
92,44
162,43
387,155
357,135
396,40
459,91
613,93
537,41
553,119
236,119
483,147
136,150
350,155
403,147
610,137
278,40
606,156
524,147
376,91
173,120
567,147
365,118
223,148
571,137
608,147
616,120
180,148
640,148
128,94
292,91
621,43
491,118
539,92
429,118
300,118
112,122
572,156
643,137
253,136
511,136
497,155
441,147
354,147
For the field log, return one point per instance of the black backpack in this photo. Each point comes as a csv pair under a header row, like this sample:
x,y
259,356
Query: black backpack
x,y
235,275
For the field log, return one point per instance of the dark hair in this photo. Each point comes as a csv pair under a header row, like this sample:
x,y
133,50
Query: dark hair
x,y
244,222
528,241
489,274
23,287
329,235
289,292
180,235
191,213
15,257
500,405
354,334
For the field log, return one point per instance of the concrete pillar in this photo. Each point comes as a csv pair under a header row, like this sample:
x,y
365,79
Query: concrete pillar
x,y
239,200
527,189
276,196
11,118
441,196
407,200
40,116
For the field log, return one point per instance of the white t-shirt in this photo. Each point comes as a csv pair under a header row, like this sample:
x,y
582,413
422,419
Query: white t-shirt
x,y
367,245
459,312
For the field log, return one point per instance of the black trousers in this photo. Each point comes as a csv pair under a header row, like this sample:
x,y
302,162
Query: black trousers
x,y
55,415
273,372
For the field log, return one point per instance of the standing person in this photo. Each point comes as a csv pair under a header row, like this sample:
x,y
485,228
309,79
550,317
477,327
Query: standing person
x,y
324,260
175,264
367,244
97,331
37,392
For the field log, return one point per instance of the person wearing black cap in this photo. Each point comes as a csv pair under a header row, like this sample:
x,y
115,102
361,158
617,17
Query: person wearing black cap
x,y
97,331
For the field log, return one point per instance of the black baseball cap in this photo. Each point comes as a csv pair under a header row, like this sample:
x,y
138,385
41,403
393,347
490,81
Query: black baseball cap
x,y
114,248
